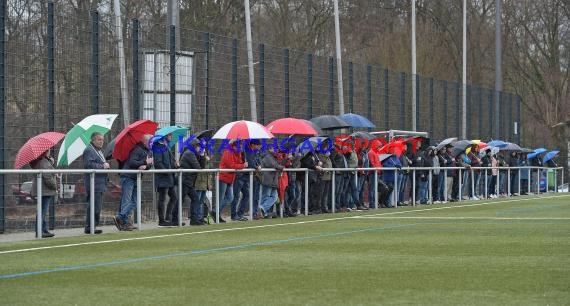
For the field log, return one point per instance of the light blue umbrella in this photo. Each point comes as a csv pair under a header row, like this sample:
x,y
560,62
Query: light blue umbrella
x,y
357,121
550,155
540,150
176,131
497,143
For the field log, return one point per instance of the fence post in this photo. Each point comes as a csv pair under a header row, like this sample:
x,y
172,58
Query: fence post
x,y
350,87
234,80
261,84
417,115
510,122
136,70
445,104
172,74
94,62
206,38
369,91
386,99
403,100
287,111
51,89
519,118
431,106
309,86
491,114
2,110
331,85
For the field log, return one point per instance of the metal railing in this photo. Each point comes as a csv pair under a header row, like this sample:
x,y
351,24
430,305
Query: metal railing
x,y
376,172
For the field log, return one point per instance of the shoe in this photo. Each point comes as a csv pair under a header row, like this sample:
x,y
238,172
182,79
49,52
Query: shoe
x,y
164,224
176,223
242,218
97,232
199,222
361,207
129,227
47,235
118,223
257,217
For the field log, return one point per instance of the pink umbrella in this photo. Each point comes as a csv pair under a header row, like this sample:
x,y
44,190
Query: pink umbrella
x,y
243,129
35,147
291,126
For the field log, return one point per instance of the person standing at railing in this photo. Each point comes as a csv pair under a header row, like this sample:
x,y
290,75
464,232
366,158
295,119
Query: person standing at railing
x,y
524,173
489,160
503,165
363,162
474,173
435,174
164,182
451,179
422,175
351,193
252,156
293,195
406,160
140,158
93,158
269,182
312,162
324,188
285,159
49,188
190,160
390,176
339,161
231,159
513,161
203,185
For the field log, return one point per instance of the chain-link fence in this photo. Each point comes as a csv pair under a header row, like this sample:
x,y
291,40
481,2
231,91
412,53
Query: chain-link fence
x,y
61,67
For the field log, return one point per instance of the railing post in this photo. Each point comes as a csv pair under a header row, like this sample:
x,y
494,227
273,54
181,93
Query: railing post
x,y
430,187
445,185
333,192
487,184
92,203
508,182
217,182
306,192
396,194
460,190
413,187
181,196
40,213
139,206
250,195
376,199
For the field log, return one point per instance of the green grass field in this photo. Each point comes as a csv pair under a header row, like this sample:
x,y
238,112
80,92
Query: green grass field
x,y
503,252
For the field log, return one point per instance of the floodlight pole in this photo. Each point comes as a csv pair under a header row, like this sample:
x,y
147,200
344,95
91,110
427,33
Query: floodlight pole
x,y
464,78
498,67
414,102
122,67
338,59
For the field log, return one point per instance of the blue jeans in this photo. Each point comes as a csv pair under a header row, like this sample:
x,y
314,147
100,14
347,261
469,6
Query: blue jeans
x,y
98,202
372,201
268,198
128,198
241,184
360,187
402,181
351,192
226,195
423,187
292,195
201,196
440,186
46,201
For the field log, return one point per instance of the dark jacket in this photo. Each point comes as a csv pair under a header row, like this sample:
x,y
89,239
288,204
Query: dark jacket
x,y
94,160
270,178
189,160
163,159
309,161
137,158
339,161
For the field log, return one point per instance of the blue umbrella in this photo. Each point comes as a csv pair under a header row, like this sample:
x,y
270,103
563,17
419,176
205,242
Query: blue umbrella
x,y
357,121
540,150
176,131
497,143
549,156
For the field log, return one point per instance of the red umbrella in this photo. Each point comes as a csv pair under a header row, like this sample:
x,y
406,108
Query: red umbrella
x,y
243,129
291,126
35,147
130,136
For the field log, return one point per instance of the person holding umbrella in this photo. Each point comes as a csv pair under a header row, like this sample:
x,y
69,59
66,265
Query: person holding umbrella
x,y
164,182
139,158
93,158
49,187
231,159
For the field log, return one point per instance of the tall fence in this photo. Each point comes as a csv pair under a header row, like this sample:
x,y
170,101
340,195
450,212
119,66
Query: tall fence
x,y
61,64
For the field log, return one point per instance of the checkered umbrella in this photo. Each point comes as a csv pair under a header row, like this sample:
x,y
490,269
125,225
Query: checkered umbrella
x,y
35,147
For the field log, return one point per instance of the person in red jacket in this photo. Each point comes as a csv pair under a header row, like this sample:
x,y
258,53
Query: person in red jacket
x,y
231,159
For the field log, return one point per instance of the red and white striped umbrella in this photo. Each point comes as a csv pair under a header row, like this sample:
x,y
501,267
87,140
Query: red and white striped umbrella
x,y
35,147
243,130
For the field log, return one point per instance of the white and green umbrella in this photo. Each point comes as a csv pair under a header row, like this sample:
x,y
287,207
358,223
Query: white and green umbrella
x,y
79,137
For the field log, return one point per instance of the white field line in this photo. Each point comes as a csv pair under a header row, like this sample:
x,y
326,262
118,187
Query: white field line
x,y
460,218
262,226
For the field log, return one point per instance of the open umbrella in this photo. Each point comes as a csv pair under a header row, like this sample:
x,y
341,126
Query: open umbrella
x,y
330,122
205,134
176,131
497,143
511,147
79,137
316,127
550,155
363,135
130,136
460,147
357,121
316,143
445,142
291,126
540,150
243,129
35,147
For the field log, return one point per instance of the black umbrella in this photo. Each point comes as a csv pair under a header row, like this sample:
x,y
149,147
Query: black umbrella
x,y
330,122
364,135
205,134
316,127
108,152
511,147
314,141
460,147
445,142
